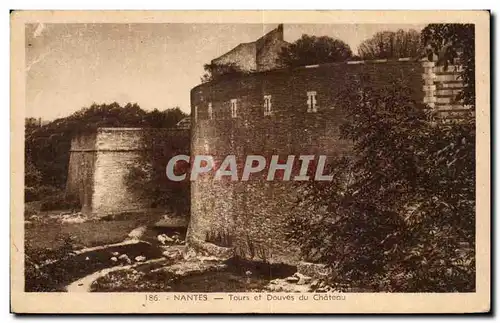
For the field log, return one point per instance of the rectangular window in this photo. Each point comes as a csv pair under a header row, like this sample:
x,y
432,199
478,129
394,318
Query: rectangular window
x,y
210,112
195,113
311,102
234,108
267,105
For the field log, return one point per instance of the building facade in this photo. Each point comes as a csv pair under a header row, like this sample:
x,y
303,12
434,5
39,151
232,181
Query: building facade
x,y
283,112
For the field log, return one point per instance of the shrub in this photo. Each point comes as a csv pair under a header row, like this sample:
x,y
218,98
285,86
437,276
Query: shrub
x,y
37,193
60,201
309,50
399,216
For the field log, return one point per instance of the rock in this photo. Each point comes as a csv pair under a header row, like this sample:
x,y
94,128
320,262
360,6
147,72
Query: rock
x,y
292,279
211,249
137,233
140,258
116,254
172,254
207,258
281,285
163,238
114,259
189,254
87,258
317,271
190,267
173,222
125,258
248,273
315,284
303,279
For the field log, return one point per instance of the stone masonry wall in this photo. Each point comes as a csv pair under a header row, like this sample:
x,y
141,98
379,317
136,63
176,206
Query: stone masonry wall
x,y
442,87
252,214
81,170
242,55
100,164
259,55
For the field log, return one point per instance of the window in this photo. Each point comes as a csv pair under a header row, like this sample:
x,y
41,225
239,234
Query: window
x,y
234,108
267,105
206,146
195,113
210,112
311,102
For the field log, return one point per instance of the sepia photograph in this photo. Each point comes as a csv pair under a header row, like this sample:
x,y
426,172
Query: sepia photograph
x,y
254,165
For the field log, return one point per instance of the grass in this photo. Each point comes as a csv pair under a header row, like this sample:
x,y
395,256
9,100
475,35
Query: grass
x,y
47,239
47,233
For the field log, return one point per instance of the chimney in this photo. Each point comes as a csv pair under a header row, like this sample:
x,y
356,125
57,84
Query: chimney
x,y
280,31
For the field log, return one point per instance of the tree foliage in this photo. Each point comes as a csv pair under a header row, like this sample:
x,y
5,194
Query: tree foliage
x,y
390,44
453,44
47,147
309,50
399,215
216,71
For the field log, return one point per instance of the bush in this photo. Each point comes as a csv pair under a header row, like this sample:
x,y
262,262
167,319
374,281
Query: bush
x,y
309,50
400,215
60,201
38,193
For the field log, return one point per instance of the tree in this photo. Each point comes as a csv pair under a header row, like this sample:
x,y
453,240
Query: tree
x,y
389,44
309,50
163,119
48,147
216,71
400,213
453,44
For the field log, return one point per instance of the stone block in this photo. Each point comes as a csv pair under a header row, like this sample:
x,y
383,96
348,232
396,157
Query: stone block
x,y
313,270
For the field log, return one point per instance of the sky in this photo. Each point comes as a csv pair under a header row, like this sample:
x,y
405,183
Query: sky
x,y
71,66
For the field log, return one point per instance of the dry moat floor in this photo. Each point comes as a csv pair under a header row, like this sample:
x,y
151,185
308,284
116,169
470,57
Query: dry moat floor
x,y
67,252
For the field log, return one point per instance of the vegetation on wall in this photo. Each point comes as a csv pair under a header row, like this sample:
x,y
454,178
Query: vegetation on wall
x,y
217,71
390,44
309,50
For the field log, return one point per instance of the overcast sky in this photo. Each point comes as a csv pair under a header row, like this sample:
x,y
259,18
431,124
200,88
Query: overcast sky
x,y
70,66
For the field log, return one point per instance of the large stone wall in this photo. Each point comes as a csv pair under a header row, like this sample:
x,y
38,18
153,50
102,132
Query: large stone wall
x,y
100,164
81,167
253,214
117,151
